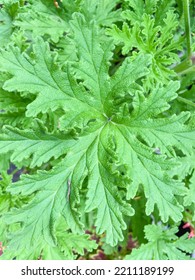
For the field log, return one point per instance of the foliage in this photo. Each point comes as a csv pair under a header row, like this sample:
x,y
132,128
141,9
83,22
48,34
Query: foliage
x,y
163,245
97,106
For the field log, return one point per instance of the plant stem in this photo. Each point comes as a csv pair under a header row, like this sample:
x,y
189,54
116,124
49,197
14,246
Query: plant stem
x,y
188,70
186,12
182,67
186,101
179,68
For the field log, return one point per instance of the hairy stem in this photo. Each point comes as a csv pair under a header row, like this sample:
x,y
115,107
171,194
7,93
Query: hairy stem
x,y
187,63
186,11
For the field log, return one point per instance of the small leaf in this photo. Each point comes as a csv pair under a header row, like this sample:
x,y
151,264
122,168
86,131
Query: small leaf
x,y
163,244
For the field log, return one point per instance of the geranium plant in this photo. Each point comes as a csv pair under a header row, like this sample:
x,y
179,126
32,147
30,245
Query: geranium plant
x,y
97,119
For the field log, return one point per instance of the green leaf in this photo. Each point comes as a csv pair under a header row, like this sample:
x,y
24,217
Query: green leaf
x,y
140,135
138,8
147,36
39,20
94,132
7,201
112,207
52,198
189,199
163,244
41,145
7,16
139,220
61,86
14,119
150,171
103,11
154,130
70,242
94,57
5,27
124,78
12,102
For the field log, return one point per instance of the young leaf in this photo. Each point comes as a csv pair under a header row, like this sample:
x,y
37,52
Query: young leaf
x,y
42,19
147,36
163,244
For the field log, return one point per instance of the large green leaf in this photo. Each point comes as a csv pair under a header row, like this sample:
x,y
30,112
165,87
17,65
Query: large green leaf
x,y
112,139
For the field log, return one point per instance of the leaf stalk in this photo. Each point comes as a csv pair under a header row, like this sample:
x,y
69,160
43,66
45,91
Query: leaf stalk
x,y
186,11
